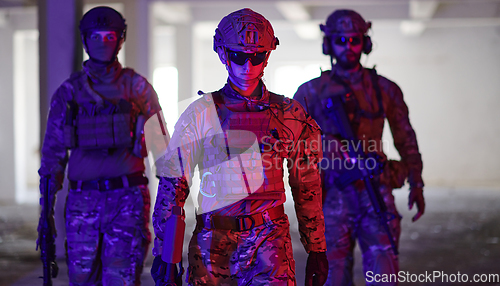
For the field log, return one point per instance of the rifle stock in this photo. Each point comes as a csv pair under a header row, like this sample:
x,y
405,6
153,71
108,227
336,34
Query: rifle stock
x,y
46,237
170,276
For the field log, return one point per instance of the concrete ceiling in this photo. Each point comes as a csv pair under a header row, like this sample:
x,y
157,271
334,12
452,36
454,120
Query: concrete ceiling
x,y
318,10
17,3
202,10
413,16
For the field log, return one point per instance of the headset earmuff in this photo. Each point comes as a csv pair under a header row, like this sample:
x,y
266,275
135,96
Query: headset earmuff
x,y
367,44
327,46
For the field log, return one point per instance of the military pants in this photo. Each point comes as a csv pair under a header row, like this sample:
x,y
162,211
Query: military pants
x,y
107,236
349,216
260,256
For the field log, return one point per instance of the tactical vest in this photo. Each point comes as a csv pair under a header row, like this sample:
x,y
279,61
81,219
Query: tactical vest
x,y
350,102
97,123
332,133
241,164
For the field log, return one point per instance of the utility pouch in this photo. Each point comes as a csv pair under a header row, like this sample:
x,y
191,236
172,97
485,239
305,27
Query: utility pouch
x,y
69,136
398,173
85,131
139,148
104,130
122,132
69,125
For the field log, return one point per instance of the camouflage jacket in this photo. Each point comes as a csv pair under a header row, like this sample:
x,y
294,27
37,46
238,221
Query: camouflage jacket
x,y
200,122
123,83
367,112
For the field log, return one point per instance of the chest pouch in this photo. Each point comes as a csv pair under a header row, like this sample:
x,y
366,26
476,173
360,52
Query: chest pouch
x,y
237,168
104,126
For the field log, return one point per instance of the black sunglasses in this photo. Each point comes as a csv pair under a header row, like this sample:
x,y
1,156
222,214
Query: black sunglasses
x,y
240,58
342,41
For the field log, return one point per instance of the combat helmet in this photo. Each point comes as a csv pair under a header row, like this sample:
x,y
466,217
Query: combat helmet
x,y
245,31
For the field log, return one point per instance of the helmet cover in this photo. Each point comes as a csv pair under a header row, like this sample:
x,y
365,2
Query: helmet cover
x,y
345,21
103,18
246,31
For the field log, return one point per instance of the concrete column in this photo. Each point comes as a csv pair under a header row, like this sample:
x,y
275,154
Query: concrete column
x,y
184,60
57,22
137,52
58,48
7,193
138,55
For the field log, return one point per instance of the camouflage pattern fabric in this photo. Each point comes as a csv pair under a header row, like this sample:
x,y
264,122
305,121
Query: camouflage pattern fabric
x,y
348,213
368,130
107,236
107,232
86,87
195,125
260,256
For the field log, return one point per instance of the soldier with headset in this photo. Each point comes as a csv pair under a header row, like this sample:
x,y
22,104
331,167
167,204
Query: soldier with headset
x,y
368,100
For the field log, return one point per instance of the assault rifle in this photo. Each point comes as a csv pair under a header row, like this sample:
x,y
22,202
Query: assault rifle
x,y
46,236
336,110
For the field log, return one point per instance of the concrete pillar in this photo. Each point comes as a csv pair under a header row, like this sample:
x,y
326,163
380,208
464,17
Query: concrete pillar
x,y
58,48
7,175
184,60
137,52
57,22
138,56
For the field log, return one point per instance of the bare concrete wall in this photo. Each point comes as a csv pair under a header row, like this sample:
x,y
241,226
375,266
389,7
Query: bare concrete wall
x,y
450,81
6,115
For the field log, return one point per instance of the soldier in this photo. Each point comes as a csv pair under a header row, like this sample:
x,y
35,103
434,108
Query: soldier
x,y
238,137
98,114
368,100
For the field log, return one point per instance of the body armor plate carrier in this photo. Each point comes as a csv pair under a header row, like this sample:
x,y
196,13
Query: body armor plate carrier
x,y
237,166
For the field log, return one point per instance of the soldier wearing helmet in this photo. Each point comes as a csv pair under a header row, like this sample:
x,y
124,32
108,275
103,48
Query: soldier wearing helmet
x,y
98,114
239,137
367,99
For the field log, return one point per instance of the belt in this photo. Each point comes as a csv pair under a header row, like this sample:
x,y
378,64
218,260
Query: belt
x,y
239,223
126,181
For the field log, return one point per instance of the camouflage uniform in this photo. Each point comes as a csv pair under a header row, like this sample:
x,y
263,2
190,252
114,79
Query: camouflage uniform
x,y
107,229
261,255
348,212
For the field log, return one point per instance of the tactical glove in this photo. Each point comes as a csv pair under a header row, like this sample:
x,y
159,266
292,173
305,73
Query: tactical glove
x,y
159,272
316,269
416,196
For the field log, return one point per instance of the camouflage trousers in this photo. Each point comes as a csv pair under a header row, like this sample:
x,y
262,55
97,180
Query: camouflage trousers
x,y
107,236
260,256
349,215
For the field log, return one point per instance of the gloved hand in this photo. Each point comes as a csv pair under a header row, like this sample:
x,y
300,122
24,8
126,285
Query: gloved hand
x,y
48,189
159,271
416,196
316,269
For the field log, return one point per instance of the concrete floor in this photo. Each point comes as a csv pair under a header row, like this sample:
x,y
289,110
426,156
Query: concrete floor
x,y
460,232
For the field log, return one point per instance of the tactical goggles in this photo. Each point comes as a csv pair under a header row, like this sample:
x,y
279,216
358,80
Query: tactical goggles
x,y
342,40
240,58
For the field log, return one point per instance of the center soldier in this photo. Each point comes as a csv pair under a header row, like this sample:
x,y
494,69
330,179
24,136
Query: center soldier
x,y
239,137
